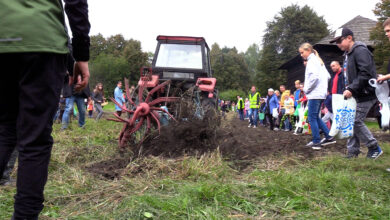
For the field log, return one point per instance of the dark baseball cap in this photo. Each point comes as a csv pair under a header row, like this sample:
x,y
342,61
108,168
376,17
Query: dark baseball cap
x,y
341,32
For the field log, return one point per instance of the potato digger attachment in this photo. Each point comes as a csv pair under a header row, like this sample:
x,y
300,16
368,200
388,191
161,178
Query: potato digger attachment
x,y
179,86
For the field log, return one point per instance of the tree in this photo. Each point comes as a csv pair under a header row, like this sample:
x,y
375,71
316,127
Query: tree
x,y
229,67
252,57
290,28
381,42
114,58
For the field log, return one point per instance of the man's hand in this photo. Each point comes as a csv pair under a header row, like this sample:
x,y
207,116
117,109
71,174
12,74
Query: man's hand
x,y
81,75
347,94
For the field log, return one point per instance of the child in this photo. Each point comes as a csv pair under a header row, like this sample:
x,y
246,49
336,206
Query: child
x,y
90,108
289,110
262,119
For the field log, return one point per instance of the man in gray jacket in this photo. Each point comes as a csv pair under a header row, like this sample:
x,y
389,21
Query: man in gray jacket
x,y
359,68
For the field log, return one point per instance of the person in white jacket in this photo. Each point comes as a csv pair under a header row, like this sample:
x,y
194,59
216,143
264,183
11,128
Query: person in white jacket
x,y
316,87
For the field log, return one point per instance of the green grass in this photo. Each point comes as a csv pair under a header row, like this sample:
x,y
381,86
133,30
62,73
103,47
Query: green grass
x,y
110,107
205,187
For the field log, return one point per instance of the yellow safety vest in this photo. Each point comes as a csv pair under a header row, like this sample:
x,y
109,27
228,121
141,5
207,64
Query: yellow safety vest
x,y
240,104
253,100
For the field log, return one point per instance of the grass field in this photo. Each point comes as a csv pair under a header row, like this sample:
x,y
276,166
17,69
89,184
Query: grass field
x,y
205,187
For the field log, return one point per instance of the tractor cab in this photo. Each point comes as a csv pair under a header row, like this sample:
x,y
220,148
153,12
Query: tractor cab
x,y
181,59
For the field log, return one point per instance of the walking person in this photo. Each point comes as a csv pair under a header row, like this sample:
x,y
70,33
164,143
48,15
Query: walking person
x,y
316,86
33,49
240,107
271,104
254,99
359,68
118,95
98,98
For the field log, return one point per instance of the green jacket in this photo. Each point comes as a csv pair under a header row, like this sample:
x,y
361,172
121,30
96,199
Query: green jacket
x,y
32,26
39,26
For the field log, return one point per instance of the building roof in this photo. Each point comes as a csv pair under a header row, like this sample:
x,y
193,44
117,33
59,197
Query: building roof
x,y
361,28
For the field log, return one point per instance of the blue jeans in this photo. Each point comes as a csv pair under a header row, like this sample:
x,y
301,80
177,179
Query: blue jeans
x,y
253,115
241,114
315,121
287,123
69,110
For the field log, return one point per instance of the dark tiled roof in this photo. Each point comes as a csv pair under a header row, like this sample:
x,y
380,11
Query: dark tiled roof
x,y
361,28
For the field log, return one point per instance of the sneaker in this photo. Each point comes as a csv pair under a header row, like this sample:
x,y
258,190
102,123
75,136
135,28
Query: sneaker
x,y
388,169
249,125
254,126
276,129
317,146
310,144
374,153
325,141
286,129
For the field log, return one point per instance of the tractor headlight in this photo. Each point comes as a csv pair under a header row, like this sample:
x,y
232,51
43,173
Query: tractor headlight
x,y
176,75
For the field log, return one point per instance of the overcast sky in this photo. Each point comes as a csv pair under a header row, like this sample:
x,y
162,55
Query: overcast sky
x,y
229,23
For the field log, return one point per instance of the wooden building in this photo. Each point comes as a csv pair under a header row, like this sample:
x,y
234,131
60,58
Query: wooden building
x,y
360,26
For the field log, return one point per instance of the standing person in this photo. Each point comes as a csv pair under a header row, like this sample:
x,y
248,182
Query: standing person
x,y
98,98
118,94
73,96
262,118
359,68
284,94
33,49
288,111
271,104
386,28
240,107
337,82
90,108
316,86
297,92
224,109
254,99
247,105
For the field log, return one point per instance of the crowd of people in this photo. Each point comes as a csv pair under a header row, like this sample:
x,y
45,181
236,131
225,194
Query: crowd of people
x,y
308,109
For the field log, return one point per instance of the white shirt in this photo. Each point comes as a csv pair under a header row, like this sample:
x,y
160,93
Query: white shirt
x,y
316,78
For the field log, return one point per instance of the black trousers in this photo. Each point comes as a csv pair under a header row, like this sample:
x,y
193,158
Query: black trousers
x,y
30,88
271,121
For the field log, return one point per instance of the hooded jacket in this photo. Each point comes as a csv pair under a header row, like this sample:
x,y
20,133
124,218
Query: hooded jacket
x,y
360,69
316,78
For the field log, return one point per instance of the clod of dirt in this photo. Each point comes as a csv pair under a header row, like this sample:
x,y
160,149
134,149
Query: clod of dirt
x,y
110,169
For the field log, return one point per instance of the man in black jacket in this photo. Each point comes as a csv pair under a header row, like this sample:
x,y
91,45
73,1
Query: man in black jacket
x,y
33,48
359,68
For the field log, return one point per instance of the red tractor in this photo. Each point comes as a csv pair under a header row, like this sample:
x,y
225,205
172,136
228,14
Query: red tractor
x,y
178,86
